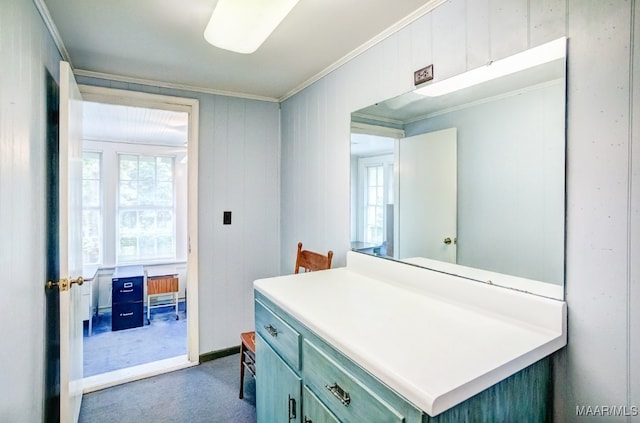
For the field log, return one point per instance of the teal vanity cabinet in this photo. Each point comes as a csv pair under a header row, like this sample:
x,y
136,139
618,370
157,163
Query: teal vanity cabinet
x,y
343,345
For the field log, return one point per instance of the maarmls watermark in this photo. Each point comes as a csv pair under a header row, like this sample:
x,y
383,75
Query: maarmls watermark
x,y
607,410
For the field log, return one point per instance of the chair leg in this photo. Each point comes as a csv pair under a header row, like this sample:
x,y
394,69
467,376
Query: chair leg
x,y
242,352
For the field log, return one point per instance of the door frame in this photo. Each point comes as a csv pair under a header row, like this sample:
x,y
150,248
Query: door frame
x,y
191,107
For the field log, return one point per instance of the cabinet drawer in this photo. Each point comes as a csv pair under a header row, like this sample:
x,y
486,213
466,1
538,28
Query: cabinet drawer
x,y
344,395
282,337
127,290
126,315
313,410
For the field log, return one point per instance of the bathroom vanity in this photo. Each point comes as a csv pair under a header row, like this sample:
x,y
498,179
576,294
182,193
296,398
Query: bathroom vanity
x,y
383,341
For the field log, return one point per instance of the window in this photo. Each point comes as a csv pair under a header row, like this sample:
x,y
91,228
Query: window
x,y
146,227
91,207
374,204
375,198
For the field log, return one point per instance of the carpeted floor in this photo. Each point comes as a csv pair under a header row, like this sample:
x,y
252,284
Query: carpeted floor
x,y
205,393
105,350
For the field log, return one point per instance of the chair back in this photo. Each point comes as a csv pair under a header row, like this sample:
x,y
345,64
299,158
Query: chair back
x,y
311,261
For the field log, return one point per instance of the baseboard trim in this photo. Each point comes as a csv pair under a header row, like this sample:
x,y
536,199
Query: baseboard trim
x,y
219,354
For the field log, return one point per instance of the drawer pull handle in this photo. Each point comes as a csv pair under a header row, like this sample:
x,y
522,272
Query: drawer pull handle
x,y
339,393
292,408
272,331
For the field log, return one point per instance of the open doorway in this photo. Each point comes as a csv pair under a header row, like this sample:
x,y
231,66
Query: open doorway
x,y
139,235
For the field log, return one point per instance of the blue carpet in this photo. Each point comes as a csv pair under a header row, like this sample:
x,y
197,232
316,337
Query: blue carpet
x,y
106,351
207,393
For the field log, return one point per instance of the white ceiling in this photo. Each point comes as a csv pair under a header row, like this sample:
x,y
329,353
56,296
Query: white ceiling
x,y
117,123
162,41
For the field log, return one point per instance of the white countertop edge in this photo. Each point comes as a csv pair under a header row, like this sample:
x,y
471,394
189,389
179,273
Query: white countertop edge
x,y
473,387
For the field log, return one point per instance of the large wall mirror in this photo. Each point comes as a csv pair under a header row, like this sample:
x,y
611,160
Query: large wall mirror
x,y
467,175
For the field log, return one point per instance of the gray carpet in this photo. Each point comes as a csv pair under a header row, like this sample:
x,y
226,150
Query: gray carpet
x,y
205,393
106,350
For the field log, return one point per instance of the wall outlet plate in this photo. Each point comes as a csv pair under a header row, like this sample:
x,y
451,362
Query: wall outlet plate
x,y
423,75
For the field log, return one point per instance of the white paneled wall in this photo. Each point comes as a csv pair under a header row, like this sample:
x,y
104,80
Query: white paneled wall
x,y
634,222
603,218
26,53
239,161
598,257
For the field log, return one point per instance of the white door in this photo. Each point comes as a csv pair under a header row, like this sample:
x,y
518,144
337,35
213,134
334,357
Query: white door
x,y
70,226
427,225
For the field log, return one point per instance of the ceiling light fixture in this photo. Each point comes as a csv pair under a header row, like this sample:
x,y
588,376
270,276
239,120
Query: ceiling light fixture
x,y
533,57
243,25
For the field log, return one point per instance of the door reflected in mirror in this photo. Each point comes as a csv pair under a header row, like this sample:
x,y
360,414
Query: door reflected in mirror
x,y
471,182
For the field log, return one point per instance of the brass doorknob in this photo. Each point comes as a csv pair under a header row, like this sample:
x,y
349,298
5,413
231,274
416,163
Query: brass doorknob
x,y
65,284
447,240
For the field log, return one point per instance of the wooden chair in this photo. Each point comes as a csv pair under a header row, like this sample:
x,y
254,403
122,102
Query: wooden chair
x,y
309,261
247,357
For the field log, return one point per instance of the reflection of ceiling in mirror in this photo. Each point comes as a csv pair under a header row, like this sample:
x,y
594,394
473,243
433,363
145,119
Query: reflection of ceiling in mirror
x,y
410,107
363,145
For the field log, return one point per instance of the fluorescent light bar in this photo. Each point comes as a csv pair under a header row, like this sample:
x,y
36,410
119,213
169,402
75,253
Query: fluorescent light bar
x,y
533,57
243,25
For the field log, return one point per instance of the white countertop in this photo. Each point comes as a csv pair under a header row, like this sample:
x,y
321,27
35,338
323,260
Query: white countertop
x,y
463,347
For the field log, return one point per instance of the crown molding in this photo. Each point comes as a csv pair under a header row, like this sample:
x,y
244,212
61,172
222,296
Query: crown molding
x,y
53,30
378,118
381,131
161,84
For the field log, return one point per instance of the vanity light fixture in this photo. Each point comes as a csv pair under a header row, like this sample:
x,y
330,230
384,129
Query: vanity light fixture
x,y
536,56
243,25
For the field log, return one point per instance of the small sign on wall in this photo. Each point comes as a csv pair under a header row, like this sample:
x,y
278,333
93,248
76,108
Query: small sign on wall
x,y
423,75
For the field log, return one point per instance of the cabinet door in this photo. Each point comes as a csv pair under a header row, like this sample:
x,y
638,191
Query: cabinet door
x,y
277,387
314,410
